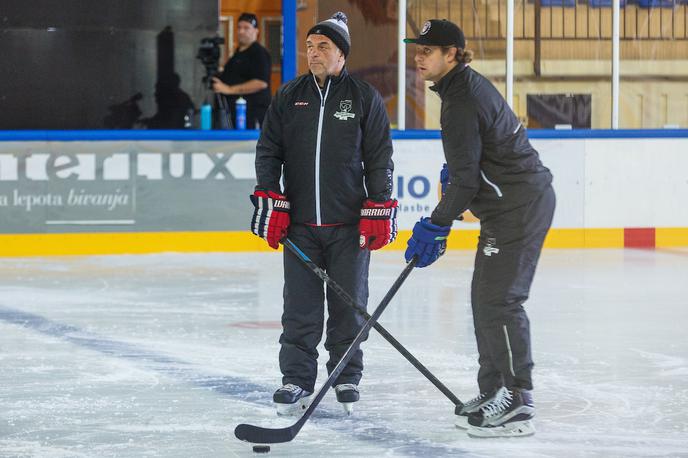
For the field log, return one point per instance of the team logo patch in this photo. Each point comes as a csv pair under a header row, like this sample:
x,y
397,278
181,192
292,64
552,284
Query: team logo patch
x,y
490,247
426,28
344,112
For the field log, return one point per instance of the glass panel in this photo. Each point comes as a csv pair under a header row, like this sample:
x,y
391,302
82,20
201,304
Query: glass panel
x,y
272,28
226,30
373,30
484,25
562,68
562,56
654,64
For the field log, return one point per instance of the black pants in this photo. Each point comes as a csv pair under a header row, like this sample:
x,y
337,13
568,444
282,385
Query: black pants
x,y
508,251
334,249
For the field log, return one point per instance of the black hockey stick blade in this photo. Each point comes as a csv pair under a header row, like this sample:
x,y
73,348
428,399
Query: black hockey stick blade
x,y
378,327
260,435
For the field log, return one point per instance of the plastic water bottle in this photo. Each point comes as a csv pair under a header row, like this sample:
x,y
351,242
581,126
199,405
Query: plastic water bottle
x,y
241,113
188,118
206,116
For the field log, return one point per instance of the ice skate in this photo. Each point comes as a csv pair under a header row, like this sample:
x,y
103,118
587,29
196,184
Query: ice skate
x,y
507,416
473,405
291,400
347,394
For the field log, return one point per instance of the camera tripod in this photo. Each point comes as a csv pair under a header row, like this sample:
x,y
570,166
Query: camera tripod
x,y
222,104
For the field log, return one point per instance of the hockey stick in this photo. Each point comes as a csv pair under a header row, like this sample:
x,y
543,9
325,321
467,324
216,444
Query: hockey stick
x,y
259,435
378,327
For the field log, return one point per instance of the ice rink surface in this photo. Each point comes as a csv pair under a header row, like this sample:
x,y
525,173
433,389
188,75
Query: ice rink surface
x,y
163,355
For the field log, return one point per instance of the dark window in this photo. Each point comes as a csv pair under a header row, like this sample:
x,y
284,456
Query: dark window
x,y
545,111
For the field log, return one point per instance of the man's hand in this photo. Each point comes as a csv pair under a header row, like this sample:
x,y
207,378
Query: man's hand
x,y
378,224
428,241
220,87
271,216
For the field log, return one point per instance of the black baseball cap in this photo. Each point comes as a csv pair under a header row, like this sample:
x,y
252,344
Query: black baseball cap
x,y
439,32
250,18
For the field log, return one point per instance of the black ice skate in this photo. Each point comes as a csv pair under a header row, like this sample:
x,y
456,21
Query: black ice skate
x,y
508,416
475,404
291,400
347,394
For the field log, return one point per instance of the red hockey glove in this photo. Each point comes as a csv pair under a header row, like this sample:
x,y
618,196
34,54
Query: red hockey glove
x,y
270,217
378,225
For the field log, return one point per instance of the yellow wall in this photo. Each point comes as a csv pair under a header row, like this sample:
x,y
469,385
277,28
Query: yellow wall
x,y
184,242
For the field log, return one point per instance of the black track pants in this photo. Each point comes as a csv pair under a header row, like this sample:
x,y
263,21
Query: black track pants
x,y
508,251
334,249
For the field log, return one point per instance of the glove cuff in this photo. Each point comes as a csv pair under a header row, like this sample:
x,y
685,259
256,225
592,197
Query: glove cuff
x,y
427,223
379,210
279,201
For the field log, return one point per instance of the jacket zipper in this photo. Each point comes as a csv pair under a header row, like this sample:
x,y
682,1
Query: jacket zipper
x,y
318,217
496,188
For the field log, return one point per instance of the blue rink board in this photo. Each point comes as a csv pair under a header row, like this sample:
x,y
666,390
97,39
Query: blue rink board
x,y
223,135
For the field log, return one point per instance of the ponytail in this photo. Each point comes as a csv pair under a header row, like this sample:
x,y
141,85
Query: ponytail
x,y
464,56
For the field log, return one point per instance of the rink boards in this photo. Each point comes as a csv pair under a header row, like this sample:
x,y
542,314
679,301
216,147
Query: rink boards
x,y
132,192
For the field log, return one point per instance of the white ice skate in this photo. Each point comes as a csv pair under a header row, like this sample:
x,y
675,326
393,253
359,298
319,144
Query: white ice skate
x,y
473,405
508,416
291,400
513,429
347,394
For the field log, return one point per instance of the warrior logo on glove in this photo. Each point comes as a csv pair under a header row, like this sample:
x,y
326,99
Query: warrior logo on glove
x,y
378,225
271,216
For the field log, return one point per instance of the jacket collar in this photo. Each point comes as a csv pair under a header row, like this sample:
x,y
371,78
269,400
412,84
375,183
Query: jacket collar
x,y
442,86
333,79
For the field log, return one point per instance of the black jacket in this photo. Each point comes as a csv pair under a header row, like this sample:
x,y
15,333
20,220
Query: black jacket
x,y
492,166
331,143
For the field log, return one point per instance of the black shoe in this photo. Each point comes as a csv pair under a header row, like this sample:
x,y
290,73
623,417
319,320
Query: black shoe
x,y
290,399
347,394
475,404
506,416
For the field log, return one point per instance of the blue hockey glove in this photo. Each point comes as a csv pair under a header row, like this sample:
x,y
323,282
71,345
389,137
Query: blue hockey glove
x,y
444,178
428,241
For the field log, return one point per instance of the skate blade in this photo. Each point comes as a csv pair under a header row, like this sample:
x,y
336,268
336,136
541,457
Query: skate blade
x,y
461,422
292,410
348,407
515,429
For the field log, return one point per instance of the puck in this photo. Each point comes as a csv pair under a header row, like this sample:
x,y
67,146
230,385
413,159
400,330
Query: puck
x,y
261,448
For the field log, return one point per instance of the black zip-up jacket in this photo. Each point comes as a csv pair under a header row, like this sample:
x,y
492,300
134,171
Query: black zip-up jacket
x,y
492,166
332,142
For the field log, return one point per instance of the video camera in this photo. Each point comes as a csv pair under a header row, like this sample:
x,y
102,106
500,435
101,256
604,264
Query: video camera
x,y
209,54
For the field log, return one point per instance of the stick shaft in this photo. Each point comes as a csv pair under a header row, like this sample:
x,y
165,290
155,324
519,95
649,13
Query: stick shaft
x,y
378,327
256,434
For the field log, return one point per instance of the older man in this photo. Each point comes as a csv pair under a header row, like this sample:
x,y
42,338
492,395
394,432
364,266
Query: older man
x,y
327,135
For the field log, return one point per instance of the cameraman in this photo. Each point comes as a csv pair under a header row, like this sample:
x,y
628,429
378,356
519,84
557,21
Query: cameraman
x,y
247,74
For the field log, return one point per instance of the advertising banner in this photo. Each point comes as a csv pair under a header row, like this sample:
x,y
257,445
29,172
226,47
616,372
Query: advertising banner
x,y
175,186
54,187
